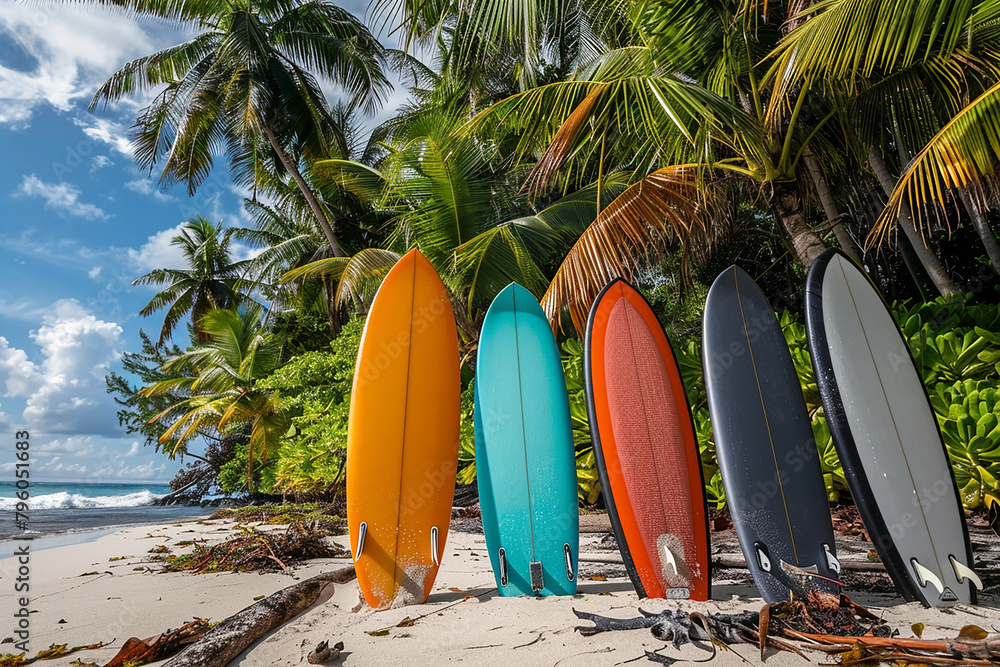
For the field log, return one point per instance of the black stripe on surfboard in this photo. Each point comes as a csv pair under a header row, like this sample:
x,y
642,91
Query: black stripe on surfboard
x,y
836,417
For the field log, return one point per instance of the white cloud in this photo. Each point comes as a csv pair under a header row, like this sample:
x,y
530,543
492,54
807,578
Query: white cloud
x,y
61,197
15,113
68,51
157,252
23,309
144,186
93,458
22,377
65,391
100,162
149,470
107,132
76,447
95,272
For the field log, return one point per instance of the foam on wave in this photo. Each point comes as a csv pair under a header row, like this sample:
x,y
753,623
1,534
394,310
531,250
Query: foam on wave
x,y
65,500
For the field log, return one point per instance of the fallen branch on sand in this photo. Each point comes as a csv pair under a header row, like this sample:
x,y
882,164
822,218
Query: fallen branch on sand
x,y
228,639
973,646
824,622
737,561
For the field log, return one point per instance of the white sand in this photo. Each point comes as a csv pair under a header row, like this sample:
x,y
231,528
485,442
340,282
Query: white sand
x,y
471,624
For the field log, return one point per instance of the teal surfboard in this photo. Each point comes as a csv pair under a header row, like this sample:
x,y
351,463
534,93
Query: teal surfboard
x,y
525,463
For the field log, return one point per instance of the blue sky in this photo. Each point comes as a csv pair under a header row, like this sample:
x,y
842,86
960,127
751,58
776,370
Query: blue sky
x,y
78,223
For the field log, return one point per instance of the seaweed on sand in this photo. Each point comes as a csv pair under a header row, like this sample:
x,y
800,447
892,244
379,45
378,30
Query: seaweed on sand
x,y
256,550
327,515
822,622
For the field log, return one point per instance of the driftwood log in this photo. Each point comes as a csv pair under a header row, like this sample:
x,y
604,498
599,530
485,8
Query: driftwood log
x,y
736,561
729,560
228,639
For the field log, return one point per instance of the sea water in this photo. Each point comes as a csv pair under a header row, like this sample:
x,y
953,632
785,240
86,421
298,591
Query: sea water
x,y
60,507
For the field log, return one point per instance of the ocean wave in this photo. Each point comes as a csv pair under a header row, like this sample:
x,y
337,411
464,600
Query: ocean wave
x,y
64,500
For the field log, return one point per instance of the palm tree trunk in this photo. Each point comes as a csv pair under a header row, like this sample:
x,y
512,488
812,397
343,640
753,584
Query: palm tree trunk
x,y
915,269
293,169
982,228
935,269
786,200
830,209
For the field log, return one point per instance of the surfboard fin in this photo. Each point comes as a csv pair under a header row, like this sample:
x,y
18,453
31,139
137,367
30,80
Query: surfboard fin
x,y
667,559
434,545
362,531
568,553
963,572
502,561
537,577
925,576
831,561
763,558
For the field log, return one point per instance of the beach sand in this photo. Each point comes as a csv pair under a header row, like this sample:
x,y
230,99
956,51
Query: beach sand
x,y
80,596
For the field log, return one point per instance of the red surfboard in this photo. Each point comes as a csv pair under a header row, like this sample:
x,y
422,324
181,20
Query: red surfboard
x,y
647,454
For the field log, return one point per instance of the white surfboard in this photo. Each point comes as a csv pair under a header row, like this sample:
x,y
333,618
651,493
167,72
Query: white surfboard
x,y
887,436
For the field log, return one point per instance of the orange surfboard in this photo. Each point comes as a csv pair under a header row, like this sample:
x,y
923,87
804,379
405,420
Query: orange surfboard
x,y
402,439
647,454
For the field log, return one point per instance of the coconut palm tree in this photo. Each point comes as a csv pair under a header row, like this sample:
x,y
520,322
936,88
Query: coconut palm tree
x,y
904,76
247,84
452,197
508,41
684,103
211,279
214,385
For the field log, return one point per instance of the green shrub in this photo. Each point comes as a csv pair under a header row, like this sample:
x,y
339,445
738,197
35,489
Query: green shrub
x,y
586,462
233,473
315,390
467,437
968,412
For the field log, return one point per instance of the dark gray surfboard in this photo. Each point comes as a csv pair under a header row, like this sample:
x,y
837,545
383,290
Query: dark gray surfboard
x,y
764,442
887,436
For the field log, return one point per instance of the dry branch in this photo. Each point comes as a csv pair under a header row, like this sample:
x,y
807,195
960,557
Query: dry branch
x,y
231,637
736,561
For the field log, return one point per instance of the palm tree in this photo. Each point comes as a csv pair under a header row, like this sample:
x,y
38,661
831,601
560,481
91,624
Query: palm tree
x,y
452,197
487,42
686,101
214,386
247,84
905,76
211,279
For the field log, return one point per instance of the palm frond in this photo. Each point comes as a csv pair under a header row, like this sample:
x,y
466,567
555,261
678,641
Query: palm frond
x,y
850,40
965,153
624,103
486,264
355,177
167,66
631,232
362,277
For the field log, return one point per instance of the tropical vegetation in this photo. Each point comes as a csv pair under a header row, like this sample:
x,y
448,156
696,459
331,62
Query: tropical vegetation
x,y
558,144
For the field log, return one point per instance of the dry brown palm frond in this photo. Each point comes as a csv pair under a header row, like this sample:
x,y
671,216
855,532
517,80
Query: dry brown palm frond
x,y
562,143
633,231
